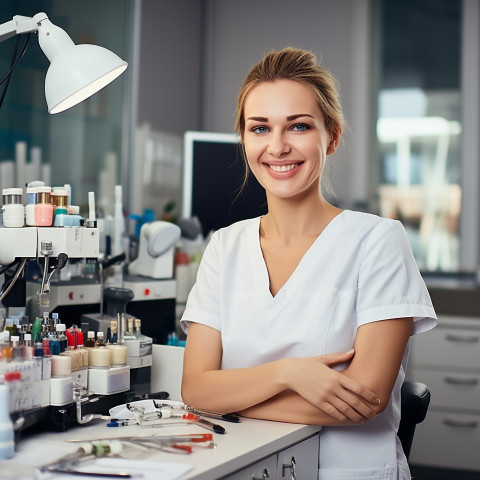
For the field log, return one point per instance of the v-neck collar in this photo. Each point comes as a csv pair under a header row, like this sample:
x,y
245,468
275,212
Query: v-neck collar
x,y
262,279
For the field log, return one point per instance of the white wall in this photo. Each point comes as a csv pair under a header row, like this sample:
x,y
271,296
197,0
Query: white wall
x,y
170,61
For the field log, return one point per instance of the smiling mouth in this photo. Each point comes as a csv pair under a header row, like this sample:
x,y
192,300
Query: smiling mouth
x,y
283,168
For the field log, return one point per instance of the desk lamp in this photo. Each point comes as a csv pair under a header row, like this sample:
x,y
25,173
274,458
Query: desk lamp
x,y
76,71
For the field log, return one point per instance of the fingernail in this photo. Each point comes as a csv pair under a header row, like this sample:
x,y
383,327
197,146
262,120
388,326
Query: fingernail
x,y
377,401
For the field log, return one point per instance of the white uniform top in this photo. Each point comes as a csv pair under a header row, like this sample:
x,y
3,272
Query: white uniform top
x,y
359,270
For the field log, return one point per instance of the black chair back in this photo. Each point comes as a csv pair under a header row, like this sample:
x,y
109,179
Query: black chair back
x,y
415,399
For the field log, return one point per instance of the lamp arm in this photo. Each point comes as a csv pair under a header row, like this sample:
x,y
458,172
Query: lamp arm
x,y
21,24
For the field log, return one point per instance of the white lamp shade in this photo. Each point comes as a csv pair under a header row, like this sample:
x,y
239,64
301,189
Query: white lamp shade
x,y
77,73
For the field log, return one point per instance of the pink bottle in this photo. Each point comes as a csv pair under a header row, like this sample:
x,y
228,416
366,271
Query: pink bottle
x,y
44,209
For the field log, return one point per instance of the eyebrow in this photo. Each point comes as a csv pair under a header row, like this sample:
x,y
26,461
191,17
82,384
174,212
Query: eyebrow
x,y
289,118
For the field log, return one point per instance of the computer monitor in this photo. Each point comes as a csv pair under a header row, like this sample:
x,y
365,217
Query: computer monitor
x,y
213,173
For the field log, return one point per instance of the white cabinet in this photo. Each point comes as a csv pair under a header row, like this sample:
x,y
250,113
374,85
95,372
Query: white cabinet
x,y
264,469
447,360
298,462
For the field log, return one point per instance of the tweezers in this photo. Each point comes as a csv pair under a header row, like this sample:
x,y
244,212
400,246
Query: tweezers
x,y
228,417
70,471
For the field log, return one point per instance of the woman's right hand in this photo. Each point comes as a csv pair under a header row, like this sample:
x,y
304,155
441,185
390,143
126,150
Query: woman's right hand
x,y
329,390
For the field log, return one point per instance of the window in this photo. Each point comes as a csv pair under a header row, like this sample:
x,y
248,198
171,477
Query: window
x,y
75,145
419,128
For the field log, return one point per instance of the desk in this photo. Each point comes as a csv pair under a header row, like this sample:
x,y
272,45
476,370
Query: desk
x,y
243,444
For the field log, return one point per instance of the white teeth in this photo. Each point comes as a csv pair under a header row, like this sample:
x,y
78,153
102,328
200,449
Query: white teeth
x,y
283,168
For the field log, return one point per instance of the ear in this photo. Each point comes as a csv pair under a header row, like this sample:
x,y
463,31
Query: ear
x,y
335,139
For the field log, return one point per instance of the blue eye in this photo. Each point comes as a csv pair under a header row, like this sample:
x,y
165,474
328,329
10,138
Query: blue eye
x,y
260,129
300,127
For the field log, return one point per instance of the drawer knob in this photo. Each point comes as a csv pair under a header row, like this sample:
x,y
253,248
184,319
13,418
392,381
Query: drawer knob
x,y
265,474
461,381
291,467
461,339
457,424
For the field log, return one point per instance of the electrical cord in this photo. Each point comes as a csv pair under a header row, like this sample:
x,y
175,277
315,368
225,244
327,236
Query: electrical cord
x,y
11,283
7,267
13,64
14,61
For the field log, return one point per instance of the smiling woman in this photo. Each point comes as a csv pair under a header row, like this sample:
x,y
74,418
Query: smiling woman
x,y
291,321
291,143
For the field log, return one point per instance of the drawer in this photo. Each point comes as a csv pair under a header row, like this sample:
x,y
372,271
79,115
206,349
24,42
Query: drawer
x,y
447,440
264,469
447,347
451,390
301,458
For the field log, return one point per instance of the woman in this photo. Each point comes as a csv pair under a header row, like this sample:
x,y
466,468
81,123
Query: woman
x,y
278,297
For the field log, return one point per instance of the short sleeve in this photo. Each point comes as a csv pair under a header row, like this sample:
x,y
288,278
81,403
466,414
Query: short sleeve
x,y
389,282
203,303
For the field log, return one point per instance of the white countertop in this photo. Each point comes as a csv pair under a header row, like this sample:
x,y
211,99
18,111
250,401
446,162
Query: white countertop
x,y
243,444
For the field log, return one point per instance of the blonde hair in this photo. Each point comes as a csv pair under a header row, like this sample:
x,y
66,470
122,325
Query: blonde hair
x,y
301,66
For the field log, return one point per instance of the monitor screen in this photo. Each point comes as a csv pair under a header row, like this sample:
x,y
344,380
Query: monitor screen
x,y
213,173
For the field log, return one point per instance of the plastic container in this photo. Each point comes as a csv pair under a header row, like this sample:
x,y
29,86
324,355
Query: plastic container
x,y
7,444
59,199
100,357
32,198
118,355
13,209
43,208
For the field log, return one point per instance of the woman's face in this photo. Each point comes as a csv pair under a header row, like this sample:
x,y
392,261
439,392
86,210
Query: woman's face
x,y
285,138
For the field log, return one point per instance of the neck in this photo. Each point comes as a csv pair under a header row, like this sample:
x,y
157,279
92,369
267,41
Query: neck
x,y
291,219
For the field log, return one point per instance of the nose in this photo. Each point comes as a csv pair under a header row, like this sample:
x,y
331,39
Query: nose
x,y
278,145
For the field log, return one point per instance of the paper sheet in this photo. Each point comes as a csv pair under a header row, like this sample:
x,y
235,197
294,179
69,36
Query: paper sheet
x,y
138,469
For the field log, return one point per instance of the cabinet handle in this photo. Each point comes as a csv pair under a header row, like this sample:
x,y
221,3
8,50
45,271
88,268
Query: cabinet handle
x,y
458,338
292,467
265,474
454,423
461,381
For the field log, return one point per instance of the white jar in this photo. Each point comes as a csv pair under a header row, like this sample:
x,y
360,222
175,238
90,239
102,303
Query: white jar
x,y
13,209
13,215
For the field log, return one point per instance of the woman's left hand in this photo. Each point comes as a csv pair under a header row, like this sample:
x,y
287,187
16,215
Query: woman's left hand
x,y
341,397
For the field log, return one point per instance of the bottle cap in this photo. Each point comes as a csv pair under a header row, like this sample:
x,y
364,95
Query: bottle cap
x,y
12,376
12,191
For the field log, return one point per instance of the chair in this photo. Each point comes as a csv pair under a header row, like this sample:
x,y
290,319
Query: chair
x,y
415,398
